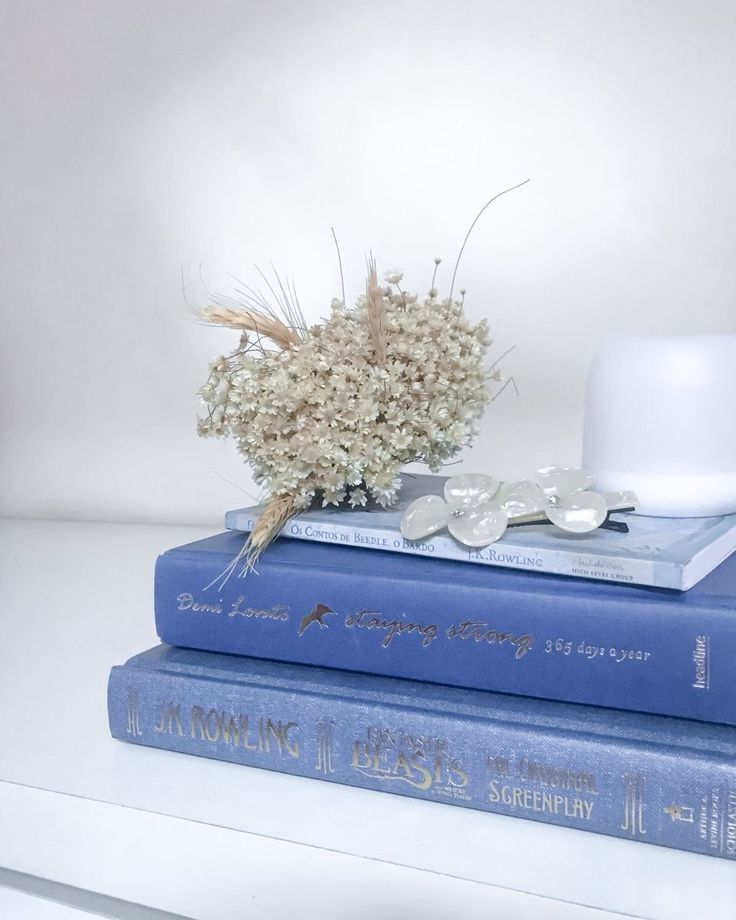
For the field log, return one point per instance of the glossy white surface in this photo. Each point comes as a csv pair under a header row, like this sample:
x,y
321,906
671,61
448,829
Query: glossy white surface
x,y
208,839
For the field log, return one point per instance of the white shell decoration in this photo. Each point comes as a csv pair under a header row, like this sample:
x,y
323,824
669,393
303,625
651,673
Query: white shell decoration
x,y
477,509
470,489
479,526
579,513
425,516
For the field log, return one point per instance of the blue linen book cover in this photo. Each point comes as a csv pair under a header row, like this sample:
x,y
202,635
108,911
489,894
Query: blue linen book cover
x,y
664,552
622,646
645,778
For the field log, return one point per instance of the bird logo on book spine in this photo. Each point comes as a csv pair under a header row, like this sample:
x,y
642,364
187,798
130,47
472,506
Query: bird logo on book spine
x,y
316,616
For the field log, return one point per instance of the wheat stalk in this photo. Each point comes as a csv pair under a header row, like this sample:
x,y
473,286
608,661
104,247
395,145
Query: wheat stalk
x,y
278,511
374,296
270,327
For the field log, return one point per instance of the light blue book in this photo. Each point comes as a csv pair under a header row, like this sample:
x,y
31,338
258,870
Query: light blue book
x,y
663,552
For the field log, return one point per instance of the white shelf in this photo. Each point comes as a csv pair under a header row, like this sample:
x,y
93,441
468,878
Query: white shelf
x,y
19,905
212,840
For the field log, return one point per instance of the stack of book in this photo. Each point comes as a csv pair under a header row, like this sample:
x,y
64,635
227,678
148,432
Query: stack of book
x,y
605,703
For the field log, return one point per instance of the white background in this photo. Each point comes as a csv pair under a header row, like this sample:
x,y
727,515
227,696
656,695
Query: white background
x,y
149,139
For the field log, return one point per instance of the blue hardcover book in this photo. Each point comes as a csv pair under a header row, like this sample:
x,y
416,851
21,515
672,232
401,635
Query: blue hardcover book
x,y
663,552
647,778
627,647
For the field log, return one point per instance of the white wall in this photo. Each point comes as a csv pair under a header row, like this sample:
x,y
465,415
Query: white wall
x,y
140,138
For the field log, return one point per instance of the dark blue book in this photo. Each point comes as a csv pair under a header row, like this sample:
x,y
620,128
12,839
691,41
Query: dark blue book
x,y
649,778
627,647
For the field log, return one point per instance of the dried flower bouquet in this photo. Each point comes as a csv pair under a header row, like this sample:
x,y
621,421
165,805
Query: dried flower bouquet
x,y
332,412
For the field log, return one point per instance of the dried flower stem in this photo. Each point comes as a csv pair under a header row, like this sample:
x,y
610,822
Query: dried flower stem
x,y
475,221
374,296
339,264
434,273
509,382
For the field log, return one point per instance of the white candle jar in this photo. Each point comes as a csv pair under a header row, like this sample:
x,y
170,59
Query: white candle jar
x,y
660,419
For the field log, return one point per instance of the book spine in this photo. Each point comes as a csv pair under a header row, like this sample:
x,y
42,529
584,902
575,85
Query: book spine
x,y
532,643
620,789
509,555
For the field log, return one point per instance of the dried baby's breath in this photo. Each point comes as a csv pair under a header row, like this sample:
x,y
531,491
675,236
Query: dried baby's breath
x,y
336,414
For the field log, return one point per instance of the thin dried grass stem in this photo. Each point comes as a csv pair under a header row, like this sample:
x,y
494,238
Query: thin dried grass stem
x,y
269,327
475,221
374,296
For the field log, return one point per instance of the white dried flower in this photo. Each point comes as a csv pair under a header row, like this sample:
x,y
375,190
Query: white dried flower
x,y
320,418
357,498
332,497
394,276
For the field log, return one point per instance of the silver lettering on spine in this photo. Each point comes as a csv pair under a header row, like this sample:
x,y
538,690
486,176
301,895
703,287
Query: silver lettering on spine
x,y
701,659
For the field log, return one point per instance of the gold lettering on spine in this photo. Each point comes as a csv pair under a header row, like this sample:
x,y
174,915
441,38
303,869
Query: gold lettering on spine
x,y
231,729
680,813
457,776
546,775
730,835
555,803
134,715
421,762
234,730
291,742
634,805
169,720
196,722
361,760
212,725
324,729
281,735
247,743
